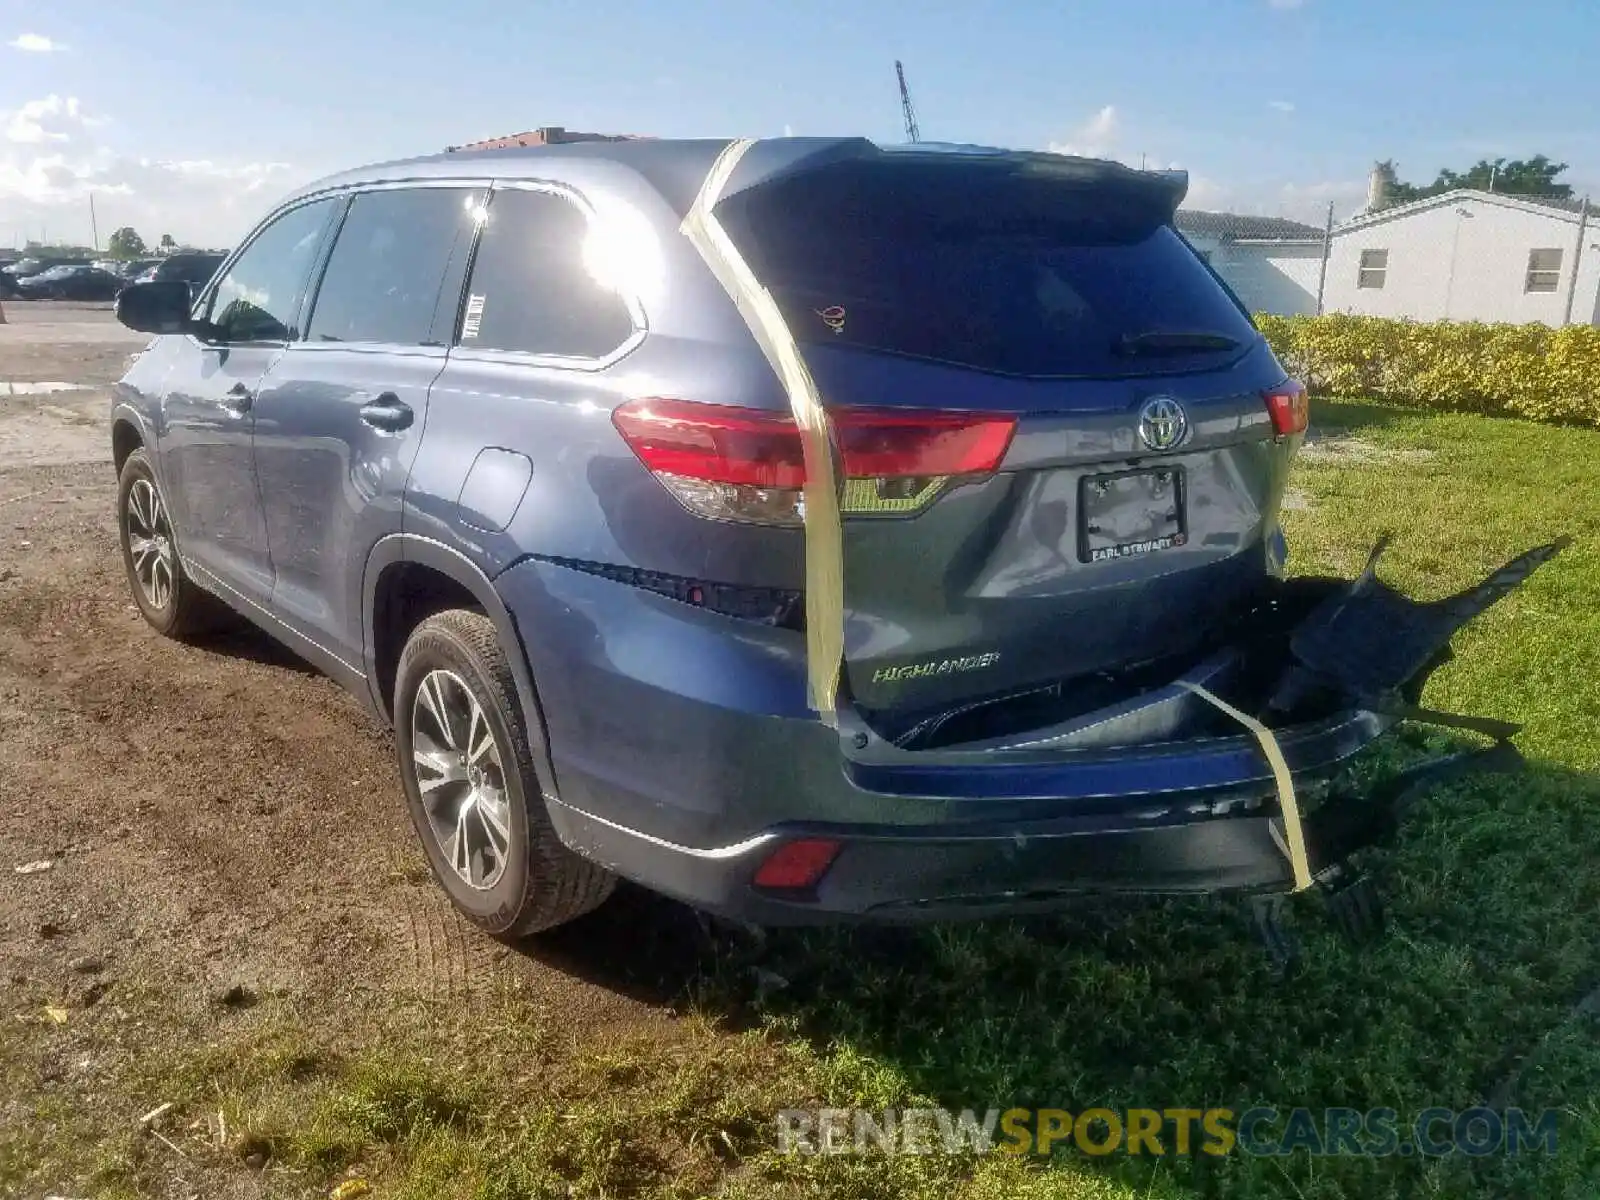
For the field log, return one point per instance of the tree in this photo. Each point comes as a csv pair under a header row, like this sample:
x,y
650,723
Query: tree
x,y
167,244
126,243
1534,176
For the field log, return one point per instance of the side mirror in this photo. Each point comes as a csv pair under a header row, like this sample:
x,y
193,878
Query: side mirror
x,y
159,306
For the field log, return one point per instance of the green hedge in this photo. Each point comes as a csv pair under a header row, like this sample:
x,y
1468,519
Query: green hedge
x,y
1503,370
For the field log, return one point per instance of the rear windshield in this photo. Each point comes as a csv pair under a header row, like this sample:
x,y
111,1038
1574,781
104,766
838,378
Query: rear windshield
x,y
1021,281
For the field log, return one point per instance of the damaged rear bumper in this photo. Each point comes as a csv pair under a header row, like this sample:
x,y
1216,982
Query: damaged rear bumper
x,y
686,760
1036,848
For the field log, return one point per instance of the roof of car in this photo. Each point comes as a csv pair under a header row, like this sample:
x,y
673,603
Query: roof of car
x,y
673,166
676,168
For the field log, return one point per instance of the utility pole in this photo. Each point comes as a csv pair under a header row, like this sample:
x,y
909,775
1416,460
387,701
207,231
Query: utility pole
x,y
94,225
1577,257
907,112
1327,249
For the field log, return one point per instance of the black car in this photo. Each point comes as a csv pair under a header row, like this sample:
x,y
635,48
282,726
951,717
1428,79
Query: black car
x,y
193,267
71,283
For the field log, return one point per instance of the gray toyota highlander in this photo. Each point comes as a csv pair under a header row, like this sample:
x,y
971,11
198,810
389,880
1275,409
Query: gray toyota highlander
x,y
805,529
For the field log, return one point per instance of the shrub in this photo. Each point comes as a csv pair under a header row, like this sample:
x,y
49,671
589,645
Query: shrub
x,y
1528,371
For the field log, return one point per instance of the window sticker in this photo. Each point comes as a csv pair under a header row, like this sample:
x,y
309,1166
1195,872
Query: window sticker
x,y
474,318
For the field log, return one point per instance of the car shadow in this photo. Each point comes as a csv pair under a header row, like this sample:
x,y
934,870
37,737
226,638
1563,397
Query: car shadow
x,y
234,637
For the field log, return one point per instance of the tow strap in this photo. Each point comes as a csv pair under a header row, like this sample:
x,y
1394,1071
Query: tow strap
x,y
824,537
1294,836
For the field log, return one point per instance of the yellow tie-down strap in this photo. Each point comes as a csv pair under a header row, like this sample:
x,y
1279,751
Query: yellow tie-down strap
x,y
1293,833
824,537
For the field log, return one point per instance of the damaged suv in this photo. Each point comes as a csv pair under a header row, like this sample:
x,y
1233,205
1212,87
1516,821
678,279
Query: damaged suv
x,y
802,528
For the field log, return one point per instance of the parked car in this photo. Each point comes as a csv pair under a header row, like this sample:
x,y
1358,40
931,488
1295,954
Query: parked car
x,y
34,265
71,283
192,267
518,463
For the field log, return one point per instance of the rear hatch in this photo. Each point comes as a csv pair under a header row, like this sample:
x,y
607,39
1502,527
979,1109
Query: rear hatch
x,y
1089,470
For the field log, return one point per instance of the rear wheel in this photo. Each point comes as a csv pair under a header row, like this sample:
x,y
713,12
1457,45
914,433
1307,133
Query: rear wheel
x,y
471,787
170,601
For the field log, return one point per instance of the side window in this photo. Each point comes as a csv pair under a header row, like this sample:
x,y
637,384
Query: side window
x,y
259,298
398,261
531,290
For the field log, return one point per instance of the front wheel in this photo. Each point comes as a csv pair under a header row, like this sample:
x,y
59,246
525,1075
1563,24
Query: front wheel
x,y
471,787
170,601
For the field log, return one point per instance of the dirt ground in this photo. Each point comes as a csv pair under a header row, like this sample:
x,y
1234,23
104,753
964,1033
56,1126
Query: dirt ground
x,y
218,821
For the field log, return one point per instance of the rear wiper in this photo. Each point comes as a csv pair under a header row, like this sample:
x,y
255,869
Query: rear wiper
x,y
1173,341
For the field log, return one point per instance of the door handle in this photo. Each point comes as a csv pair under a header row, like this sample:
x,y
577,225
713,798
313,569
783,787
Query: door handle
x,y
238,400
387,413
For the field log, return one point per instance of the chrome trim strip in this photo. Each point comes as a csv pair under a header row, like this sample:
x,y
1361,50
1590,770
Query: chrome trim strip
x,y
715,853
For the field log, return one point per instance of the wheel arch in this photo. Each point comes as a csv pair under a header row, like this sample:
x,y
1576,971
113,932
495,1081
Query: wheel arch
x,y
387,566
128,433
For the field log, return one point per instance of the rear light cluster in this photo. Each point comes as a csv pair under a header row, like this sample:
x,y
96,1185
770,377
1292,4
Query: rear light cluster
x,y
1289,407
744,464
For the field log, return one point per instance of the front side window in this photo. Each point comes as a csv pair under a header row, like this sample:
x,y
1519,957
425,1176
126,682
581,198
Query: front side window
x,y
259,298
1544,271
531,289
395,272
1374,269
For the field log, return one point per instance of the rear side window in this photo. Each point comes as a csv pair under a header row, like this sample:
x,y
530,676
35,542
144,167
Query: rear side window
x,y
531,290
259,298
986,273
389,276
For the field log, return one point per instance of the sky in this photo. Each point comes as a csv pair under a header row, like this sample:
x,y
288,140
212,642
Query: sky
x,y
191,119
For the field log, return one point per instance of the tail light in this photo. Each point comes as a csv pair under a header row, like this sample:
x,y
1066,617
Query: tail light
x,y
745,464
1289,407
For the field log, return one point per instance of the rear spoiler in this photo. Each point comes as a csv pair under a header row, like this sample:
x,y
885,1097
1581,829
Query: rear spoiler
x,y
772,161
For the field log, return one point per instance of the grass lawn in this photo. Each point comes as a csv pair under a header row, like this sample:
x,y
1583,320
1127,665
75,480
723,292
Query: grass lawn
x,y
1475,992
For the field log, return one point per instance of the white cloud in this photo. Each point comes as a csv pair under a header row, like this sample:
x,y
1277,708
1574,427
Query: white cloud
x,y
1283,106
51,160
35,43
49,120
1095,138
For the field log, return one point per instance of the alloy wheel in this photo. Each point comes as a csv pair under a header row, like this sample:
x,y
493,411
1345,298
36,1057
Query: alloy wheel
x,y
150,544
460,776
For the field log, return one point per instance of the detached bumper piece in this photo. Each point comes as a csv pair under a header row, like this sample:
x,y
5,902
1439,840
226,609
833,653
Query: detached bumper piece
x,y
1370,647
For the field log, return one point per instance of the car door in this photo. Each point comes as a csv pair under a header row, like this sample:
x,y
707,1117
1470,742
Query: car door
x,y
206,417
339,414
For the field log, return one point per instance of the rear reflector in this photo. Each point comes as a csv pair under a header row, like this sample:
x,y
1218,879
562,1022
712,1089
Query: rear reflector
x,y
796,865
1289,406
746,464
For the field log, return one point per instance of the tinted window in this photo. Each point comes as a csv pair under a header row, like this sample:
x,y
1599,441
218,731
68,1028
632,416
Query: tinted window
x,y
530,289
1020,278
259,299
390,270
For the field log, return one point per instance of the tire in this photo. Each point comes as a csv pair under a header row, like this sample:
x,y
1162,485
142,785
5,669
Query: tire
x,y
171,602
514,875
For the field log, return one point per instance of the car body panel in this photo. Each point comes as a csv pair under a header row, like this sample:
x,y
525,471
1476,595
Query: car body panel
x,y
331,483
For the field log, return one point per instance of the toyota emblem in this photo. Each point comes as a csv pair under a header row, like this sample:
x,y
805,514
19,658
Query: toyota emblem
x,y
1162,423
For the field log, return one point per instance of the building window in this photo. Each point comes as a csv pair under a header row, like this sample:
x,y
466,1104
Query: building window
x,y
1374,268
1544,271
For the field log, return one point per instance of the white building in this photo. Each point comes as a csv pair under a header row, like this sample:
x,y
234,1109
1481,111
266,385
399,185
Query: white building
x,y
1468,256
1272,264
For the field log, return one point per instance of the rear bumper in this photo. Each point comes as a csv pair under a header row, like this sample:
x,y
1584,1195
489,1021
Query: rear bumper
x,y
684,755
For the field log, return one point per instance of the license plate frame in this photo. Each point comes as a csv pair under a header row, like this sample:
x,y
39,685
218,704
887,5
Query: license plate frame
x,y
1103,494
